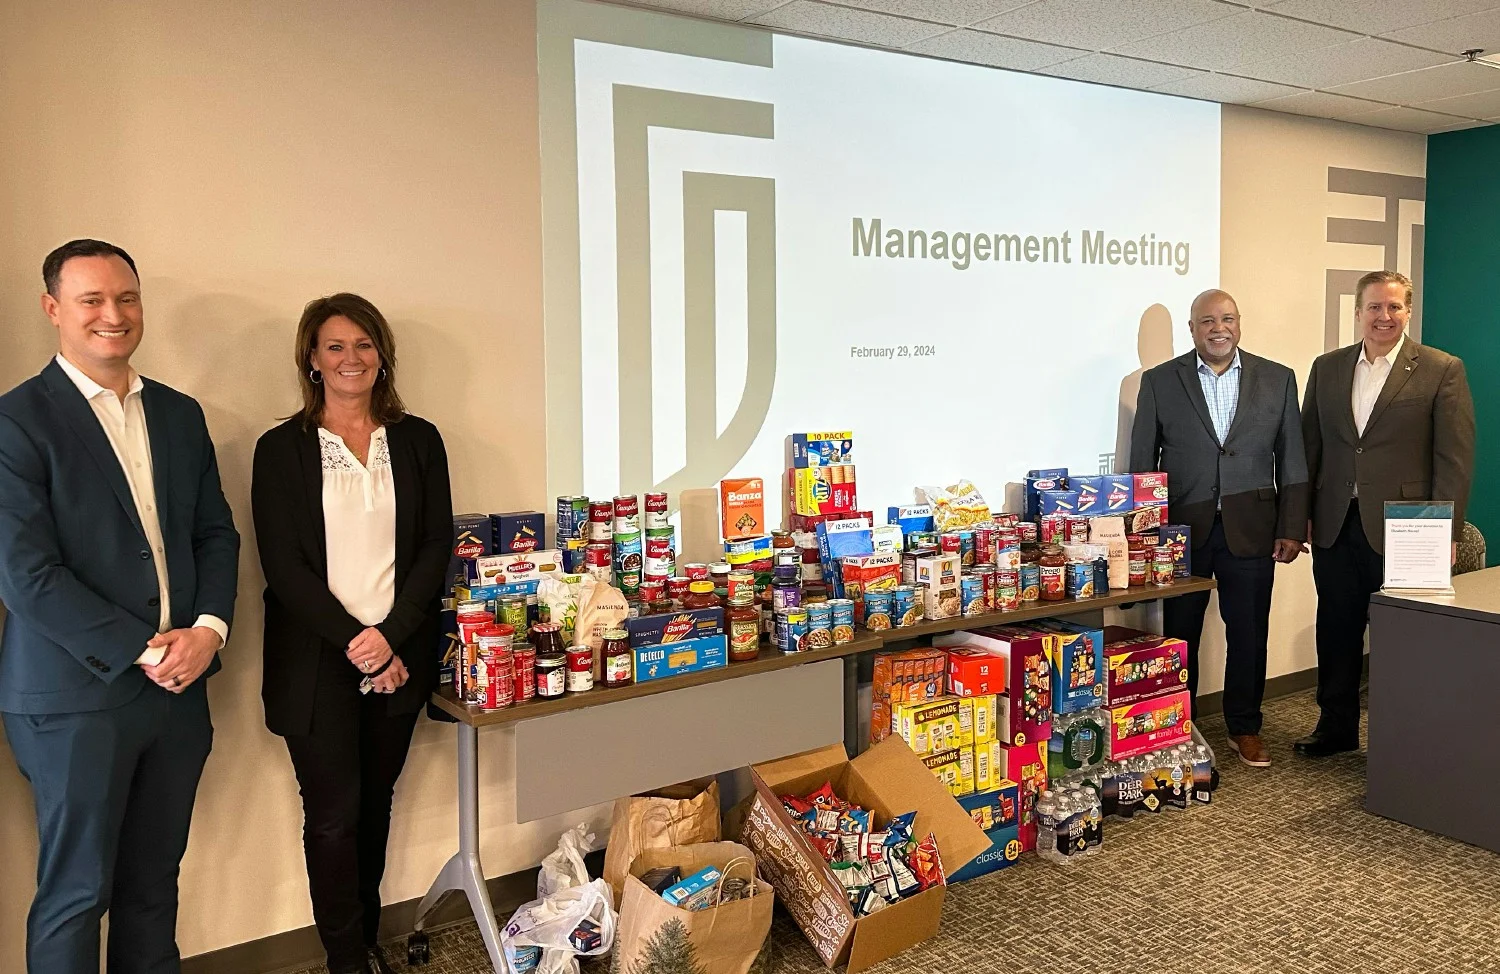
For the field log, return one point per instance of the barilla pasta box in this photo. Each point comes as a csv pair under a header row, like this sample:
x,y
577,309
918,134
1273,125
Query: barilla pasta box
x,y
518,531
1052,478
821,449
1077,656
1149,725
1180,537
1106,493
997,812
1058,502
742,507
525,566
674,627
1024,708
824,490
674,659
913,676
888,780
472,537
1150,490
913,517
1139,665
937,725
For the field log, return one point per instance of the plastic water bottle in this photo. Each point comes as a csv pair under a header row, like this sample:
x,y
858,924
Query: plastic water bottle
x,y
1046,826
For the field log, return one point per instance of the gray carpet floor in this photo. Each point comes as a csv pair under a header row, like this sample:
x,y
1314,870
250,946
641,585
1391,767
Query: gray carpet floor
x,y
1285,873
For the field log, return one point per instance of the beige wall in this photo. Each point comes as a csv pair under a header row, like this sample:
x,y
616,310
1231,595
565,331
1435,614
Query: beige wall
x,y
255,155
1276,206
252,156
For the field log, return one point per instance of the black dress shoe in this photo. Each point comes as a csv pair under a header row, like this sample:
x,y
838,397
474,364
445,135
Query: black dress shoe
x,y
1320,745
375,962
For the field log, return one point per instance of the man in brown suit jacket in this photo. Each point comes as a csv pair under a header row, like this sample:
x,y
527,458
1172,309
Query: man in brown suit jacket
x,y
1387,419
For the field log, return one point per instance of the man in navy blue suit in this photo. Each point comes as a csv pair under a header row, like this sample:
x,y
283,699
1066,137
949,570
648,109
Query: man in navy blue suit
x,y
118,565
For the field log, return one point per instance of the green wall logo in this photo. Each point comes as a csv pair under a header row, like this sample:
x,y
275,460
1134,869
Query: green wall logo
x,y
567,30
1387,234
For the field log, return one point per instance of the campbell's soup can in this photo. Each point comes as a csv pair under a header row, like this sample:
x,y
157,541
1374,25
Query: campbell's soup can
x,y
695,571
660,558
653,589
656,510
499,683
989,577
627,511
601,521
1026,532
1008,589
985,536
951,543
1078,529
677,587
580,669
1053,528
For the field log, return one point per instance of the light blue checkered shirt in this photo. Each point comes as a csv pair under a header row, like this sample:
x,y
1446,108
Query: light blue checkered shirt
x,y
1222,392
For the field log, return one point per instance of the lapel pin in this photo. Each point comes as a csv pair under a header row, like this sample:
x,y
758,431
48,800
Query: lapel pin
x,y
1408,368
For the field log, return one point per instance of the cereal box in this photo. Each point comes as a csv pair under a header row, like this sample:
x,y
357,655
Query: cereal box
x,y
1149,725
954,767
914,676
1139,665
742,508
821,449
947,722
518,531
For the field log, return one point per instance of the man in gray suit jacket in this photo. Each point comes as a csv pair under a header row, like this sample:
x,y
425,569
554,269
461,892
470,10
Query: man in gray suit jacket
x,y
1225,427
1386,419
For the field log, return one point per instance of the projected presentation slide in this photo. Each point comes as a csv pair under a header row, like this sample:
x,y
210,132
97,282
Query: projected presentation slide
x,y
750,235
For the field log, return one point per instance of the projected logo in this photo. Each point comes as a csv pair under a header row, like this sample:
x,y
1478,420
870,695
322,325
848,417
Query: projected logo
x,y
686,250
1399,236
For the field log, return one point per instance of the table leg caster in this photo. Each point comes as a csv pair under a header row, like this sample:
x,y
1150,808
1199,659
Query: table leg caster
x,y
417,952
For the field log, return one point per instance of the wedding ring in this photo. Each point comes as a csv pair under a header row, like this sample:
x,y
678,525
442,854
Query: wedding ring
x,y
177,681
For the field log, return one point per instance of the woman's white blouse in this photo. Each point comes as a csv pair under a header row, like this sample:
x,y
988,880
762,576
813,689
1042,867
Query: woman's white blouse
x,y
359,520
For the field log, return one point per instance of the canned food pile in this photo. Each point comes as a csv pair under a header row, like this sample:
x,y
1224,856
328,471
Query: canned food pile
x,y
626,609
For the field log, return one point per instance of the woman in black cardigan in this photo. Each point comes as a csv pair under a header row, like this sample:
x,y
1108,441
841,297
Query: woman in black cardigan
x,y
354,521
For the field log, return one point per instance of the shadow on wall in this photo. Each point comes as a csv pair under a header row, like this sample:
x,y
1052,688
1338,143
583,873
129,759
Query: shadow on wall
x,y
1153,346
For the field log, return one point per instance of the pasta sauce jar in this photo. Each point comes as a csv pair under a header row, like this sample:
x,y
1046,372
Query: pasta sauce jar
x,y
1053,570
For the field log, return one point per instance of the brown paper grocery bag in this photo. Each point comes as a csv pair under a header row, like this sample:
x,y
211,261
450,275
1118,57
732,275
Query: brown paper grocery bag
x,y
654,937
681,814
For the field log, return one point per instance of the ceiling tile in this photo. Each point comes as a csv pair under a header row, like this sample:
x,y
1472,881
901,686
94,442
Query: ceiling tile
x,y
1110,69
1321,104
959,13
1246,37
991,49
1409,120
1457,34
1485,104
1224,88
867,27
717,9
1097,24
1445,81
1342,64
1375,16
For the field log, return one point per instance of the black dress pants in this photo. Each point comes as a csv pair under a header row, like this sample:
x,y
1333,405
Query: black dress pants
x,y
347,768
1245,606
1346,574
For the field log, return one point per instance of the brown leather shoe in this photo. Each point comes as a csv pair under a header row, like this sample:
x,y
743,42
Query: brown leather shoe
x,y
1251,749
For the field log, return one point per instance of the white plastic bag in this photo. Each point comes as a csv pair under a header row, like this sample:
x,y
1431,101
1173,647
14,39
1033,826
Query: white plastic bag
x,y
565,898
563,868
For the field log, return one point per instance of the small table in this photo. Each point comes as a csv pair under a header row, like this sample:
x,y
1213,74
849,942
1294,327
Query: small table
x,y
463,872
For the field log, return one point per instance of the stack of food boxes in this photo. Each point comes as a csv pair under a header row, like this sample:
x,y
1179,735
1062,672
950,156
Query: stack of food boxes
x,y
1145,690
820,473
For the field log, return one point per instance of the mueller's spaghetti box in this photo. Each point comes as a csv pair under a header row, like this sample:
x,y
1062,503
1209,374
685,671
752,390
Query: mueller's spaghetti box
x,y
1077,656
1058,502
823,490
1150,490
518,531
1024,708
522,566
888,780
974,672
674,627
954,767
1150,725
937,725
674,659
1180,537
821,449
997,812
472,537
1139,665
1053,478
914,676
742,507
